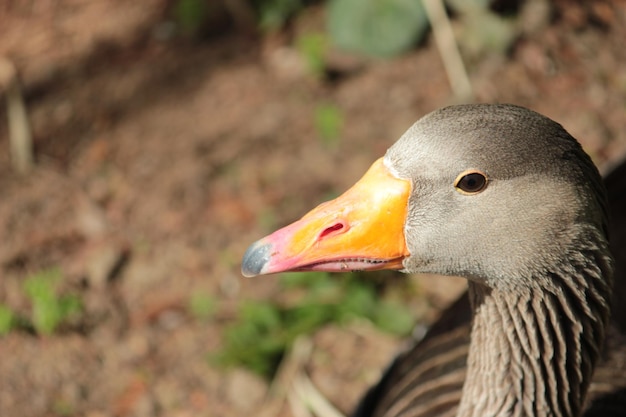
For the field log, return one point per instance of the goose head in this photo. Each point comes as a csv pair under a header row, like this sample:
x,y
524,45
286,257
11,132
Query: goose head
x,y
495,193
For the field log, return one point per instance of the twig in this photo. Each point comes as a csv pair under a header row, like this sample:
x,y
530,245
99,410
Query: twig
x,y
298,407
313,398
20,138
289,368
449,50
292,385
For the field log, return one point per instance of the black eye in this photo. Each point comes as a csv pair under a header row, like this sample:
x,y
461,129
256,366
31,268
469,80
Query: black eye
x,y
471,182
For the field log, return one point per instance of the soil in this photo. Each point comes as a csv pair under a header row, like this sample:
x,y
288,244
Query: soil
x,y
159,159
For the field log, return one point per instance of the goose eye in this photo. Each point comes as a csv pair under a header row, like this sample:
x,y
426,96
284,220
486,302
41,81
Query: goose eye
x,y
470,182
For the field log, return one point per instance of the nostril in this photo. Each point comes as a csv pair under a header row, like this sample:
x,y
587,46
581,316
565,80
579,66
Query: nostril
x,y
331,230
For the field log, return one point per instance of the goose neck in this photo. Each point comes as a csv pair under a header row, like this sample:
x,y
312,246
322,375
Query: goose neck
x,y
533,349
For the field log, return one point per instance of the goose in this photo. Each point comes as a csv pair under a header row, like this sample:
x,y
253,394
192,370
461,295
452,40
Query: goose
x,y
506,198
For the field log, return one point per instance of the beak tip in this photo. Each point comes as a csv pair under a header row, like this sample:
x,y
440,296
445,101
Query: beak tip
x,y
255,259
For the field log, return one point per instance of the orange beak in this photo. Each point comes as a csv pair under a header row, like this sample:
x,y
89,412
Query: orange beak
x,y
363,229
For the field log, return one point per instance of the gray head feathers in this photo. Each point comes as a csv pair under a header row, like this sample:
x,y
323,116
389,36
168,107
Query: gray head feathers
x,y
543,193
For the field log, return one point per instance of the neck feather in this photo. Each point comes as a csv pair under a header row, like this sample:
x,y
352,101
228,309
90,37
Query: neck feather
x,y
534,348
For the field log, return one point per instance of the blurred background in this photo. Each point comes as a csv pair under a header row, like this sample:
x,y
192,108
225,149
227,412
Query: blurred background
x,y
144,145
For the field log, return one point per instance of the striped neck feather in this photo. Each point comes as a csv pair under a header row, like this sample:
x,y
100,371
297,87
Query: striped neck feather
x,y
533,349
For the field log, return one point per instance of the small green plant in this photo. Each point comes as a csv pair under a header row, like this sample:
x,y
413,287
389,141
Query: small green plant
x,y
256,340
313,47
63,407
7,320
49,309
264,330
328,123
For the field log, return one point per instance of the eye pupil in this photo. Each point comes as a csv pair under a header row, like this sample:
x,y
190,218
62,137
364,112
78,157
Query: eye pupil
x,y
472,182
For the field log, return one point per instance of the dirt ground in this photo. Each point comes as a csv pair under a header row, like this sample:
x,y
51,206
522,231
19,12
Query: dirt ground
x,y
159,160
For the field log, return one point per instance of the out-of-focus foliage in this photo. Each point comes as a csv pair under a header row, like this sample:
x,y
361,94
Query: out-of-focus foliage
x,y
328,123
7,320
381,28
49,309
378,28
274,13
264,330
482,31
313,47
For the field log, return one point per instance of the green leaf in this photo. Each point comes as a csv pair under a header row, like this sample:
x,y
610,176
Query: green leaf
x,y
382,28
394,318
359,301
69,305
328,122
7,320
307,317
262,315
46,316
40,288
49,309
256,340
313,47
